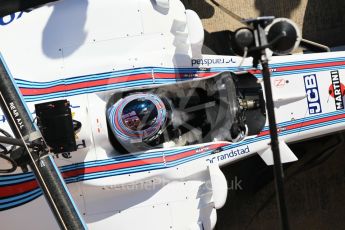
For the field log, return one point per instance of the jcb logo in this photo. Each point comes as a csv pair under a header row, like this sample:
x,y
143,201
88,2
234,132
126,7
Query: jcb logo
x,y
313,96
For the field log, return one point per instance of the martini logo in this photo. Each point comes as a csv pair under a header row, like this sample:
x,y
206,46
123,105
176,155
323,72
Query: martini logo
x,y
337,90
313,96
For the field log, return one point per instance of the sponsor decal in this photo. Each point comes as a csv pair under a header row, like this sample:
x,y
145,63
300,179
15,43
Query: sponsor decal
x,y
212,61
279,82
233,153
190,75
204,149
337,90
313,96
3,118
230,154
10,18
16,116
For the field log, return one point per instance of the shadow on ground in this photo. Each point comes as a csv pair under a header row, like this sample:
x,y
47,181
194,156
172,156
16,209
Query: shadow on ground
x,y
314,188
324,22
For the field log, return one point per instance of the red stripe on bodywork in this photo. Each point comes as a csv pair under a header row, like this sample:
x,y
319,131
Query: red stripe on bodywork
x,y
68,87
304,124
87,84
193,152
103,168
299,67
183,76
12,190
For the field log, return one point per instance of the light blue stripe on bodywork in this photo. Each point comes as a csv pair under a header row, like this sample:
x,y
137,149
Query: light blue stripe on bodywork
x,y
20,197
22,201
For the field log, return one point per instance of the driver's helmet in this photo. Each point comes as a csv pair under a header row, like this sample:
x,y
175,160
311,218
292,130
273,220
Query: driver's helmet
x,y
138,118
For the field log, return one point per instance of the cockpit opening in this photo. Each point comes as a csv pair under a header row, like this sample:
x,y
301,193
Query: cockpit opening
x,y
224,107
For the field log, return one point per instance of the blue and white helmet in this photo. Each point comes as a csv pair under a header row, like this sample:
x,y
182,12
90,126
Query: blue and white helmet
x,y
138,118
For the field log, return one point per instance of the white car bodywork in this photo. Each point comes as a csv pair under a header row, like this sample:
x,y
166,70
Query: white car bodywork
x,y
83,49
